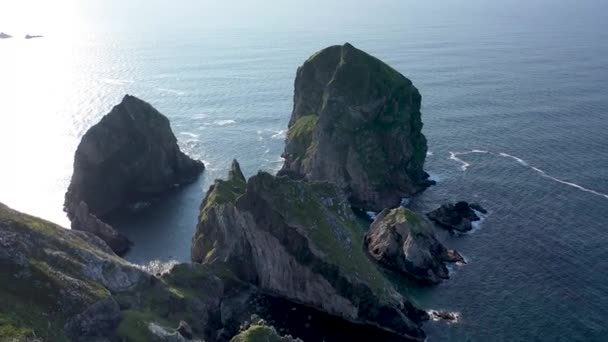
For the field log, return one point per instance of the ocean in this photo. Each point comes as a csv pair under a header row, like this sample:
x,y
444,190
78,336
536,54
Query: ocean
x,y
515,110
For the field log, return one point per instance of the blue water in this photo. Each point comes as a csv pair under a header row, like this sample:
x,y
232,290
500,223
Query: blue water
x,y
528,79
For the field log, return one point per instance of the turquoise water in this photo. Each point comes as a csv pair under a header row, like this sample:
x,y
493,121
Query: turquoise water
x,y
524,84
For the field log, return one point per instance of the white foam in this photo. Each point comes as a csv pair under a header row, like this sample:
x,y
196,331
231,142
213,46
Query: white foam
x,y
279,134
371,214
192,135
519,160
115,81
429,153
172,91
224,122
433,314
465,165
159,267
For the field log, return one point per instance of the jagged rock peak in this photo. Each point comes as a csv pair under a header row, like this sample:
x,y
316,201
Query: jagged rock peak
x,y
235,172
356,123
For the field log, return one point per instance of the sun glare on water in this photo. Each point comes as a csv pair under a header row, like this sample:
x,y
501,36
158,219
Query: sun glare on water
x,y
36,81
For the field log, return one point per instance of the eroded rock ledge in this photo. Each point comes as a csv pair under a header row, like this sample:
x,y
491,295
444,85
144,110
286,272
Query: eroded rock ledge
x,y
131,155
356,123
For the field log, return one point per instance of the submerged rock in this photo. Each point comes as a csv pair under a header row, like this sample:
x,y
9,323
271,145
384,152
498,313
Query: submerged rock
x,y
129,156
458,217
356,123
403,241
299,241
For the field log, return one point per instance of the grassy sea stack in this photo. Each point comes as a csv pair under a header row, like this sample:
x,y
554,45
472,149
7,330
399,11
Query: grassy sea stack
x,y
356,123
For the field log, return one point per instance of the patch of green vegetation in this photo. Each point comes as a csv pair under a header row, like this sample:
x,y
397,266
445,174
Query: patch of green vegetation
x,y
300,135
416,224
326,217
30,304
258,333
134,326
223,192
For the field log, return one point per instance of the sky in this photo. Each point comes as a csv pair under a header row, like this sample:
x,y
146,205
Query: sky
x,y
65,16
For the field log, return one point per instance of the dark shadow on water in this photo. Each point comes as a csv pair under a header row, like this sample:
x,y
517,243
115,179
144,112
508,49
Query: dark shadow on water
x,y
311,325
163,230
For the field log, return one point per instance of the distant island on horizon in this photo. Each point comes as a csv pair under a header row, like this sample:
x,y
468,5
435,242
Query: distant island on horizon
x,y
27,36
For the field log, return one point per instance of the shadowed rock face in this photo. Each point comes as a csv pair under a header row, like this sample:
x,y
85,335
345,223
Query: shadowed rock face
x,y
129,156
356,123
403,241
300,241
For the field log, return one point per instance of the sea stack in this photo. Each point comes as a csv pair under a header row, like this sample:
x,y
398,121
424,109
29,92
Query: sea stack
x,y
356,123
130,156
403,241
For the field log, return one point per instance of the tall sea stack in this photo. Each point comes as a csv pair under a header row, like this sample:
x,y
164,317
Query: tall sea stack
x,y
356,123
129,156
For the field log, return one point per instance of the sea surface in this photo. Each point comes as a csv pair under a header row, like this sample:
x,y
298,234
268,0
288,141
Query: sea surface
x,y
515,110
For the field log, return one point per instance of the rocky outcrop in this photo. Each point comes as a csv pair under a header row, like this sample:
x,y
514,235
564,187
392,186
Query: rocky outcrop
x,y
356,123
299,241
403,241
130,156
58,284
456,217
83,220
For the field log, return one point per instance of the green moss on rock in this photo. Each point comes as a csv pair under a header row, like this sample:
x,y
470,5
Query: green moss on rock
x,y
300,134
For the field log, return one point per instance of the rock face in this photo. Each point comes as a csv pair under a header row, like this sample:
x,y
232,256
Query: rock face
x,y
403,241
300,241
356,123
457,216
129,156
83,220
57,283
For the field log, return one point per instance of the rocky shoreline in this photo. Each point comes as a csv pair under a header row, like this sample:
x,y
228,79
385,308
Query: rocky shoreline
x,y
274,258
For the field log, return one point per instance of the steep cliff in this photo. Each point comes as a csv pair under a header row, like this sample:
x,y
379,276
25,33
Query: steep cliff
x,y
356,123
300,241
